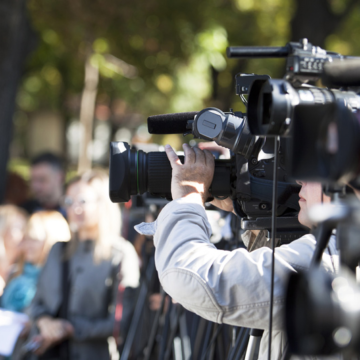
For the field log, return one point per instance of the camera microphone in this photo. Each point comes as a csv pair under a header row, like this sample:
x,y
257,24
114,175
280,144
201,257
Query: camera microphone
x,y
342,73
229,130
170,123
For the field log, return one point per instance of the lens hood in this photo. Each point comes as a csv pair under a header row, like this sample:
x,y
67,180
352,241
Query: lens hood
x,y
120,183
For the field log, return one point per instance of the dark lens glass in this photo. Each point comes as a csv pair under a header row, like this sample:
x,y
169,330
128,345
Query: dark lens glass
x,y
135,172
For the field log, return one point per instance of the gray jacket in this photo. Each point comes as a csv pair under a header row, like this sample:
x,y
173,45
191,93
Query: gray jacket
x,y
231,287
92,294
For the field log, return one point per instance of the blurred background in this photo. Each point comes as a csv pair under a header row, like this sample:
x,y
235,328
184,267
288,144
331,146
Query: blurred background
x,y
76,74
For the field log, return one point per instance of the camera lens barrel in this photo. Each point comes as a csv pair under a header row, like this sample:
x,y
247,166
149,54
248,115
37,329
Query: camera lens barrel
x,y
135,172
158,173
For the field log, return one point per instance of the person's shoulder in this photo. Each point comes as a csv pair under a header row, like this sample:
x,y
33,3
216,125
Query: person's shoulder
x,y
58,249
186,205
306,238
307,241
122,246
60,245
123,251
126,256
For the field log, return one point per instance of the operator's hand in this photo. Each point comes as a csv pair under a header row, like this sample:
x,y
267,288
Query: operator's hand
x,y
193,178
213,146
226,204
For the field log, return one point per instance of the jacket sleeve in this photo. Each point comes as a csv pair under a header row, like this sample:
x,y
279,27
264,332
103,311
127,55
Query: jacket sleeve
x,y
230,287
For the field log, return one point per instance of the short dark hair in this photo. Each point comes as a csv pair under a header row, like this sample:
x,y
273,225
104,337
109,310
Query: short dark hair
x,y
48,158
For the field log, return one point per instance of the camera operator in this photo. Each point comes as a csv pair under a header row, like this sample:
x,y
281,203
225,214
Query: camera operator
x,y
231,287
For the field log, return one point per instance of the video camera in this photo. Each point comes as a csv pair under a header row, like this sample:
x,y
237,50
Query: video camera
x,y
319,130
323,123
246,177
322,311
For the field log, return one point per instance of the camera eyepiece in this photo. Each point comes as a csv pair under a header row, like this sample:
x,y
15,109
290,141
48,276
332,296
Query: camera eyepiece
x,y
226,129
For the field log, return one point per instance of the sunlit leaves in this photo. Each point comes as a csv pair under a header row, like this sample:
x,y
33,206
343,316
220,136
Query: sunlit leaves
x,y
51,75
101,45
346,41
225,79
32,84
137,85
335,43
245,5
177,48
213,39
50,37
137,42
164,83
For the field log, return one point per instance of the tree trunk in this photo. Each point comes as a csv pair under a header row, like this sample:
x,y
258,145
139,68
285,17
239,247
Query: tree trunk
x,y
87,114
15,43
315,20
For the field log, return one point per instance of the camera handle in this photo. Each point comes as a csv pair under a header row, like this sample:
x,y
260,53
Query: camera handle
x,y
252,351
140,304
322,239
150,345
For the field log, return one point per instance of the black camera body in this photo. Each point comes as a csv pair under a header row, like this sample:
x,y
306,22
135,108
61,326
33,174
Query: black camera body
x,y
246,178
323,127
323,123
249,182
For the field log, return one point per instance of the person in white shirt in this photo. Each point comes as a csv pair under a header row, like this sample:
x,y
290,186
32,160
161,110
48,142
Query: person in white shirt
x,y
231,287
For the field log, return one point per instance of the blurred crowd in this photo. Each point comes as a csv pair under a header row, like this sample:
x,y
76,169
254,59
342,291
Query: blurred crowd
x,y
65,265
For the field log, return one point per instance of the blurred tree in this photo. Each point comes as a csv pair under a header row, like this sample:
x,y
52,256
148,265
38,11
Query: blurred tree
x,y
159,56
15,44
316,20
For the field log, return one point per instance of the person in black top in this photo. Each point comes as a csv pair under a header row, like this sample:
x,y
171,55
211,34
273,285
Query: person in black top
x,y
46,184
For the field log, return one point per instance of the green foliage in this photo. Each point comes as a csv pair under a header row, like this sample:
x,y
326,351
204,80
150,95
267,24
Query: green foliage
x,y
346,40
176,47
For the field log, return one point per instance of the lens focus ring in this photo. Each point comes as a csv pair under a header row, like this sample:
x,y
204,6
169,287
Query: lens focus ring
x,y
159,173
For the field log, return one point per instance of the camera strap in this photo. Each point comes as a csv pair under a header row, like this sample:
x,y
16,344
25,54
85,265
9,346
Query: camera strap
x,y
273,238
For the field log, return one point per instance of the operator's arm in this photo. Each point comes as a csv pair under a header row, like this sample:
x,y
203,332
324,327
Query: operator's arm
x,y
222,286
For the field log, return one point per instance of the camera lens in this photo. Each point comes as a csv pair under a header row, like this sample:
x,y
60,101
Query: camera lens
x,y
339,143
134,172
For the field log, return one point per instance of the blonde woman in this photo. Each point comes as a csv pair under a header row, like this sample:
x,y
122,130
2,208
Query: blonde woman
x,y
75,301
12,225
42,231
